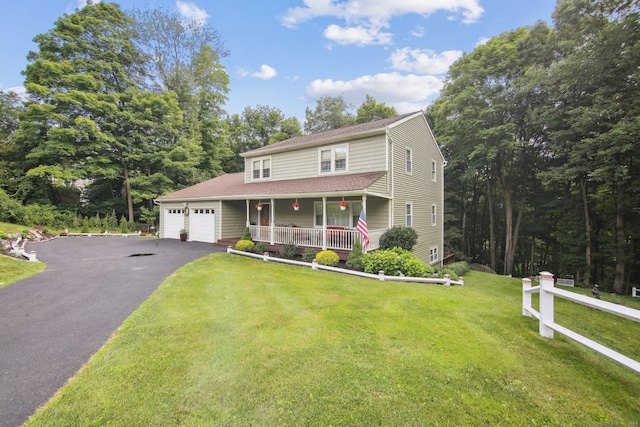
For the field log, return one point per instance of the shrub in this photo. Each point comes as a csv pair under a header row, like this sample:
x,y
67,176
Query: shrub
x,y
246,234
245,245
354,261
394,262
289,250
85,225
461,268
441,272
260,248
309,255
124,227
328,258
400,237
48,216
10,210
105,224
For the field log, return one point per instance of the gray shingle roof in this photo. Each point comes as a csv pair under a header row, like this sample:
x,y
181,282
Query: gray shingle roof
x,y
233,186
304,140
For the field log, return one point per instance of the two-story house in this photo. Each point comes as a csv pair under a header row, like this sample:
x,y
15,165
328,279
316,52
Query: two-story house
x,y
310,190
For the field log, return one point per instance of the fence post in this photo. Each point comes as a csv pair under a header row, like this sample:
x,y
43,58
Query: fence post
x,y
546,304
447,280
526,297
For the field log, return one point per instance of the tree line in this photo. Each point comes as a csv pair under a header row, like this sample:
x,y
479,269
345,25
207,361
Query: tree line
x,y
541,127
123,107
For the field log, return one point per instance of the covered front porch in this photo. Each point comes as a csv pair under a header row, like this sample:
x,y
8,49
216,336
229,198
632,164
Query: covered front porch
x,y
322,223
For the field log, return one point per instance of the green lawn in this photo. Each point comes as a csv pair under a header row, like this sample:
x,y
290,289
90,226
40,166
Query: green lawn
x,y
229,340
12,269
6,228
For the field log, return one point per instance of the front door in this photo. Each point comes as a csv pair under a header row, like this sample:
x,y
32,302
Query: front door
x,y
265,215
265,221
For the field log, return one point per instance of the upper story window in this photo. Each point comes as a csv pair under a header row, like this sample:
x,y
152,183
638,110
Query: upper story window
x,y
333,159
261,168
408,161
434,217
434,170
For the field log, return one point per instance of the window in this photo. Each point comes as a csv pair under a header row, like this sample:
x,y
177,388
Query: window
x,y
261,168
333,159
434,217
337,217
409,214
434,169
433,254
409,161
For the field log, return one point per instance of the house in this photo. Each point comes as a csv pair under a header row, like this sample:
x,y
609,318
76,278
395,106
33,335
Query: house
x,y
310,190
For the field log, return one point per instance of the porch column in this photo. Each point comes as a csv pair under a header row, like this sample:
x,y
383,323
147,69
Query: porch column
x,y
324,223
364,209
248,222
273,221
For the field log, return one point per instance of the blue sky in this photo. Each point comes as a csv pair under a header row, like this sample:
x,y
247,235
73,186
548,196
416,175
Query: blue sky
x,y
288,53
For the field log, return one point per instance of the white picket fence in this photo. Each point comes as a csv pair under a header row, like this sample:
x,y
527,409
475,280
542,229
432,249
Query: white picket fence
x,y
547,326
446,280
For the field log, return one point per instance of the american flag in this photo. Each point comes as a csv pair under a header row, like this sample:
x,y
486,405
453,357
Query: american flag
x,y
362,228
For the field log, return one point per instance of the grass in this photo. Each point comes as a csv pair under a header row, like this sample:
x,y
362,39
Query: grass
x,y
6,227
229,340
12,269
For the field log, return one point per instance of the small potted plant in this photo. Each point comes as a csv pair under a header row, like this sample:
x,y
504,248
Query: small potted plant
x,y
343,205
259,206
183,235
296,205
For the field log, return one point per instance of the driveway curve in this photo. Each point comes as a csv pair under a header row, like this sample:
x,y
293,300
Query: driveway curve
x,y
53,322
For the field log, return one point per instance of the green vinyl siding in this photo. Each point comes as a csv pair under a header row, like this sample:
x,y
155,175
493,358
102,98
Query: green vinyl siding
x,y
417,188
232,219
365,155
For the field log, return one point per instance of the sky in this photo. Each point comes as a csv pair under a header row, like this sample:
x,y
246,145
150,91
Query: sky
x,y
286,54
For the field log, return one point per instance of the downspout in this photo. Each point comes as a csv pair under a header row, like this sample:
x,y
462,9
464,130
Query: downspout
x,y
248,222
393,182
272,224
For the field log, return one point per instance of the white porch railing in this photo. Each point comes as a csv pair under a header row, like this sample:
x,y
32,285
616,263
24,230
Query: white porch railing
x,y
547,291
339,239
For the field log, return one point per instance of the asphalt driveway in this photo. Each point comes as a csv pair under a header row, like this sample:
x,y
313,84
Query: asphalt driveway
x,y
53,322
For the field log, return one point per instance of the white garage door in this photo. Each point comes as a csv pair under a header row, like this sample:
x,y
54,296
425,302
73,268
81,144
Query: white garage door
x,y
202,225
173,223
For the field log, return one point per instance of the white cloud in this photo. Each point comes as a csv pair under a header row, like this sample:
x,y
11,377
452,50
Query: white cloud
x,y
266,72
359,35
18,90
404,92
418,31
423,61
482,40
192,12
368,16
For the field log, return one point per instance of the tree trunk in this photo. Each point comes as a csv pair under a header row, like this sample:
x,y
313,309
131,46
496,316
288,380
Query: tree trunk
x,y
127,190
587,224
618,280
492,238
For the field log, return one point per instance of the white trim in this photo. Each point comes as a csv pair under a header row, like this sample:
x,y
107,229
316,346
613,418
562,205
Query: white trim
x,y
332,170
433,255
261,168
409,215
434,214
408,160
434,170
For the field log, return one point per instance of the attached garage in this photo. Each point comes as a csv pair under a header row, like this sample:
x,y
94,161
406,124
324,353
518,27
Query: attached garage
x,y
202,225
173,223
